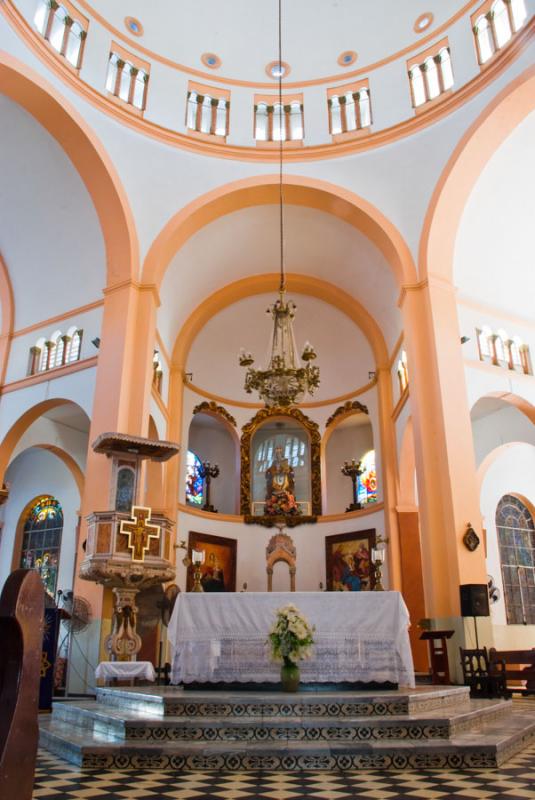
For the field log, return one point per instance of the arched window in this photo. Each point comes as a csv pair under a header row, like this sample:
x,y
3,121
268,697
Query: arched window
x,y
194,483
484,337
500,348
445,68
275,122
351,111
74,345
335,117
484,40
207,112
516,542
365,108
518,9
127,81
367,482
403,373
430,69
157,372
417,85
293,448
125,489
65,34
41,540
206,115
500,20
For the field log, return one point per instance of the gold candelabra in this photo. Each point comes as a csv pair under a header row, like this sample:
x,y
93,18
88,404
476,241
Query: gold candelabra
x,y
197,559
378,556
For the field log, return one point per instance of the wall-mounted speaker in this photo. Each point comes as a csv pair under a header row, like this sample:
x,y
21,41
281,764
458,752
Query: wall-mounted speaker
x,y
474,600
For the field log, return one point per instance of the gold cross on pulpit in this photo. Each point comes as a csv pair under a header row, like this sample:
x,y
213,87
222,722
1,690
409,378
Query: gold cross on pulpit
x,y
139,531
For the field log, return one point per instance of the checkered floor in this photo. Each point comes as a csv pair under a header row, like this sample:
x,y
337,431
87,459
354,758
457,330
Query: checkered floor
x,y
60,781
57,780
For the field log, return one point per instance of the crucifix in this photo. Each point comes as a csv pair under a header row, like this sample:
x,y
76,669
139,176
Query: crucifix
x,y
139,531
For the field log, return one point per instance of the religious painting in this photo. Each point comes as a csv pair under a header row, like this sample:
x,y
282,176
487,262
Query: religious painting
x,y
218,572
280,479
348,560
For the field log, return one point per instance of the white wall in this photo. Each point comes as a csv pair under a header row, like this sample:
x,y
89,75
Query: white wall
x,y
214,443
512,472
344,444
507,424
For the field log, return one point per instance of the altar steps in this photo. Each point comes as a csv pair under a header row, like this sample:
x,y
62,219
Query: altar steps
x,y
287,734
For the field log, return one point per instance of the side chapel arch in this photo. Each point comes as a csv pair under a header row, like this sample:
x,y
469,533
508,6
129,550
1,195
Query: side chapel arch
x,y
281,549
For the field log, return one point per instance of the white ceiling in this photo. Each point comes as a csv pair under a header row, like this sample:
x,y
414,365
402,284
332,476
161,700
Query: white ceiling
x,y
344,355
50,236
246,243
494,252
243,33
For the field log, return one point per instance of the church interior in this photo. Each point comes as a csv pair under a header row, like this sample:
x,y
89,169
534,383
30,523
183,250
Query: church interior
x,y
277,355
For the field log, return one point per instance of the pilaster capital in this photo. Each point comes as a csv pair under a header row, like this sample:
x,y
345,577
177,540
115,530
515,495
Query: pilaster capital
x,y
136,286
431,282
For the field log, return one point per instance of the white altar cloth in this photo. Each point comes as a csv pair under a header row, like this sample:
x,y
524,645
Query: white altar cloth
x,y
125,670
359,636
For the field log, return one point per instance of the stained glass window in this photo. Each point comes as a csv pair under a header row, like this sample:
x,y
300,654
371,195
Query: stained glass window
x,y
194,483
367,482
516,541
124,496
41,540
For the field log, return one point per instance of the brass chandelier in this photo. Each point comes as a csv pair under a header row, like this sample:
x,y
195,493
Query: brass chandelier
x,y
286,380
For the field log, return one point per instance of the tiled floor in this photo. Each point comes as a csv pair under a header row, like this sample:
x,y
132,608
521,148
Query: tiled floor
x,y
60,781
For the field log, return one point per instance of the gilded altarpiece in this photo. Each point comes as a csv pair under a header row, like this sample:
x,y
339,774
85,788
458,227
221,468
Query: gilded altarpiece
x,y
280,468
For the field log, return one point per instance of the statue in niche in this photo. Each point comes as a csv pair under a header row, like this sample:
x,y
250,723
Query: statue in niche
x,y
280,486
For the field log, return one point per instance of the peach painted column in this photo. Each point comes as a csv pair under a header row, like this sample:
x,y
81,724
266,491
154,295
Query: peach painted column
x,y
174,466
389,474
413,585
122,394
447,488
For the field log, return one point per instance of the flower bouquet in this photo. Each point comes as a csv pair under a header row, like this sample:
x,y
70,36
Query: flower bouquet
x,y
291,639
282,505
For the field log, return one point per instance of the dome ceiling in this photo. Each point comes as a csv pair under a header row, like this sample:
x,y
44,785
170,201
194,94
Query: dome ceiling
x,y
243,34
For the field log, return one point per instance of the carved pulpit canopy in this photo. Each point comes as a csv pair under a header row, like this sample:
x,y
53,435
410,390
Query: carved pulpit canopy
x,y
280,468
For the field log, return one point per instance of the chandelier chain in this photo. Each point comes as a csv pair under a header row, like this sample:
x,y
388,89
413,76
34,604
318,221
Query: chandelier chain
x,y
282,286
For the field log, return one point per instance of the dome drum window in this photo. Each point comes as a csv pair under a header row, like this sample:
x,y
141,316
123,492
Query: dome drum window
x,y
64,28
430,74
275,122
403,372
494,24
127,78
157,372
58,351
502,351
349,109
207,111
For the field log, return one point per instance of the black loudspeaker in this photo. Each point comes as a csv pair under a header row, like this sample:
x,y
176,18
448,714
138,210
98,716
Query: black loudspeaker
x,y
474,600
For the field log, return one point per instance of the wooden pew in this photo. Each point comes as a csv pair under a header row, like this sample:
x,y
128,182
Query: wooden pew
x,y
514,665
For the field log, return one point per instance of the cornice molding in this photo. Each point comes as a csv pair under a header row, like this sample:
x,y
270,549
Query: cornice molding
x,y
49,375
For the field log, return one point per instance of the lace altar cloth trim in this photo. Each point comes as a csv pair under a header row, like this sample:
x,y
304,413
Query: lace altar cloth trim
x,y
360,636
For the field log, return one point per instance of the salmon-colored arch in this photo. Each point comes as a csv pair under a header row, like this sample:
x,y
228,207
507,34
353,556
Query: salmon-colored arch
x,y
260,284
264,190
7,308
523,405
20,427
475,149
69,462
27,88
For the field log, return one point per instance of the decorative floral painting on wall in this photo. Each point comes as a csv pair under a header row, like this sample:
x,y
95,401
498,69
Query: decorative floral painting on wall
x,y
348,561
219,568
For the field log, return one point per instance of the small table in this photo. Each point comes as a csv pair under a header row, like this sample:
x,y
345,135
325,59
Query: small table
x,y
125,670
438,650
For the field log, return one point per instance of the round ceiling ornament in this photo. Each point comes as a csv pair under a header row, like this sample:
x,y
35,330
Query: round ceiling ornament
x,y
347,58
134,26
278,69
423,22
211,61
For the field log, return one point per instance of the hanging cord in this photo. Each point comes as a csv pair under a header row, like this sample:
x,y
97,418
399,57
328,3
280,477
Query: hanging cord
x,y
282,286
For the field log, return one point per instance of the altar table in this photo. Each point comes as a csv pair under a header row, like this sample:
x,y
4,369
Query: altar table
x,y
359,636
125,670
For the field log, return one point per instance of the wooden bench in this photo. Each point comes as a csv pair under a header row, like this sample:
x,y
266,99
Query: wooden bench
x,y
514,665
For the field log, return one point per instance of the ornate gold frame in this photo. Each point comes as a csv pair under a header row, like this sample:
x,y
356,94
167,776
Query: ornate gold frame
x,y
248,430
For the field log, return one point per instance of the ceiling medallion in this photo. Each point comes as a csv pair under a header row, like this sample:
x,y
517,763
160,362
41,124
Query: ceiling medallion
x,y
211,60
286,380
278,69
423,22
134,26
347,58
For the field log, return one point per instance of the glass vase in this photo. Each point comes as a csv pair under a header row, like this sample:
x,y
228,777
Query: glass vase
x,y
289,676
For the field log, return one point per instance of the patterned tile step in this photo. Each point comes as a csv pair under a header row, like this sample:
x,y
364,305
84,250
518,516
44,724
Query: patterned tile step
x,y
174,701
135,726
492,744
